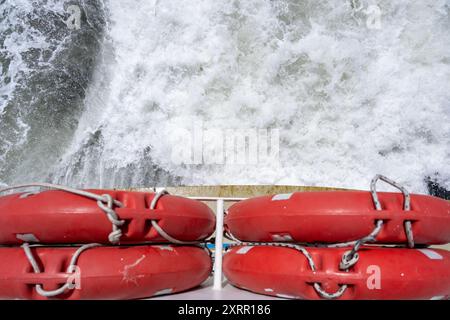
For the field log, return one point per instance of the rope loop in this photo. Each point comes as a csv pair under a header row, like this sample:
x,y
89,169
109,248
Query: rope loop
x,y
107,207
330,296
158,228
406,203
71,269
349,259
317,286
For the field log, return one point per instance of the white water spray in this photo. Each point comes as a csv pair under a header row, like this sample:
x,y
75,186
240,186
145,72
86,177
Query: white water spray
x,y
349,100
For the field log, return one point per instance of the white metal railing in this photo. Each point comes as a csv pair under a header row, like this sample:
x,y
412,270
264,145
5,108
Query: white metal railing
x,y
220,212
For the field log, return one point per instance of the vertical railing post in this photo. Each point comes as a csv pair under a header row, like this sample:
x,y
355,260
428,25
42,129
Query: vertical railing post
x,y
219,246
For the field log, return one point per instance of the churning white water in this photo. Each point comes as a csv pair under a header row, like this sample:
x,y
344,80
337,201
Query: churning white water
x,y
353,88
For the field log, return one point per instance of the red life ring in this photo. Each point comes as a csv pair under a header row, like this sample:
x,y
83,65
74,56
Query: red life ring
x,y
101,272
339,216
381,273
105,216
